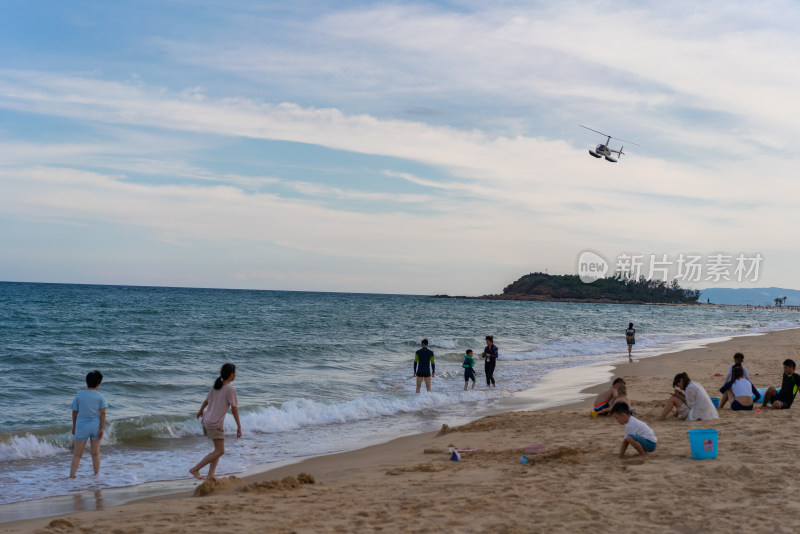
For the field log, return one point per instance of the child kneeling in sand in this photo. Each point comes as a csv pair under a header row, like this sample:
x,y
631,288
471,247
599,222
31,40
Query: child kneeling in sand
x,y
637,434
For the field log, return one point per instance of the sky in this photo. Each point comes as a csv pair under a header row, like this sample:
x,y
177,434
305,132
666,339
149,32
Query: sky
x,y
394,147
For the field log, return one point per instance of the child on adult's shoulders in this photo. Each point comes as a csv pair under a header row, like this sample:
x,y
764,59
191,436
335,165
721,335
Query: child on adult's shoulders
x,y
637,434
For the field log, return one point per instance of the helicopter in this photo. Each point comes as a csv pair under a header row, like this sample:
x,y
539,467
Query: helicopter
x,y
604,150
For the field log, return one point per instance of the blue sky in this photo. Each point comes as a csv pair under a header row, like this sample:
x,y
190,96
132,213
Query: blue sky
x,y
414,147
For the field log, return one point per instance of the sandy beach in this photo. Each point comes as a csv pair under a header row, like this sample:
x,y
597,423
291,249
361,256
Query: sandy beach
x,y
578,485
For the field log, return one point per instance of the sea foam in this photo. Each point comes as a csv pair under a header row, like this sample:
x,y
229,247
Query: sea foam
x,y
26,447
298,413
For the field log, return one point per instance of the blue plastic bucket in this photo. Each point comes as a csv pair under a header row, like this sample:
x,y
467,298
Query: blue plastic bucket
x,y
703,442
715,401
761,392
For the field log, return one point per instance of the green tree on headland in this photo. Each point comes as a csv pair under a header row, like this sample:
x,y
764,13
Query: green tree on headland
x,y
614,289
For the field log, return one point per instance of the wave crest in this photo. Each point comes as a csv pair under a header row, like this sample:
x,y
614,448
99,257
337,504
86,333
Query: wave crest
x,y
27,447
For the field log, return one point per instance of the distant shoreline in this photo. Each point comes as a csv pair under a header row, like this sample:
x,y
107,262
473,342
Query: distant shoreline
x,y
545,298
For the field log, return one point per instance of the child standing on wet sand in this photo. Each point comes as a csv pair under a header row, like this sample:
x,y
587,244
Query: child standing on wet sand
x,y
221,397
88,421
469,369
637,434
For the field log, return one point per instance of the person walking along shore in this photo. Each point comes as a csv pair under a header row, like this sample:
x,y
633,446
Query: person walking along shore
x,y
630,338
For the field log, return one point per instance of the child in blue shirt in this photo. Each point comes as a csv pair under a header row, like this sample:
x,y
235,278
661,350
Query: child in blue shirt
x,y
469,369
88,421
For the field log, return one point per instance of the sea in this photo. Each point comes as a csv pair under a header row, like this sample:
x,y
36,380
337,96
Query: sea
x,y
317,373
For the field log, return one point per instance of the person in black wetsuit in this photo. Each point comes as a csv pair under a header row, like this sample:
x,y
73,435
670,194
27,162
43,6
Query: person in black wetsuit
x,y
791,383
424,367
489,360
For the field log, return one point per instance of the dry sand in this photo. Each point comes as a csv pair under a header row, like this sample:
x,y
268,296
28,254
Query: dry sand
x,y
578,485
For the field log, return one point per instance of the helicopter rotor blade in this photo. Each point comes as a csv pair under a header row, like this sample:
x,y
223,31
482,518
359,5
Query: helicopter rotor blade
x,y
624,141
609,136
595,131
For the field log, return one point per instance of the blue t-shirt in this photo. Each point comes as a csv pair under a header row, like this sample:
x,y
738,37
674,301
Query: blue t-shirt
x,y
88,403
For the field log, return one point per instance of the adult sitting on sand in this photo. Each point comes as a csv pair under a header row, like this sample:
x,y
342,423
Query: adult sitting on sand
x,y
791,382
738,359
741,389
690,400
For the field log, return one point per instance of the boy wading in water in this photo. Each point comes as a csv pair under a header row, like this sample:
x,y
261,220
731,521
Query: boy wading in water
x,y
469,369
221,397
88,421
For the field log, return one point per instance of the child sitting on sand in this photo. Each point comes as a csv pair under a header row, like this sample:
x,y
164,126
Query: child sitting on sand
x,y
637,434
469,369
738,359
604,399
621,397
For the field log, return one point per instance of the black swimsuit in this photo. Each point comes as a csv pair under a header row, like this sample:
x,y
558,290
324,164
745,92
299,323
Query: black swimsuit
x,y
490,356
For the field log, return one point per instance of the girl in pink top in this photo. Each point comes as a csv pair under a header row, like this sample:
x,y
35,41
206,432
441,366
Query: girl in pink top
x,y
221,397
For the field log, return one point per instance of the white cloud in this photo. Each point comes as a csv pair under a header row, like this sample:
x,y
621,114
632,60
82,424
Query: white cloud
x,y
704,88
